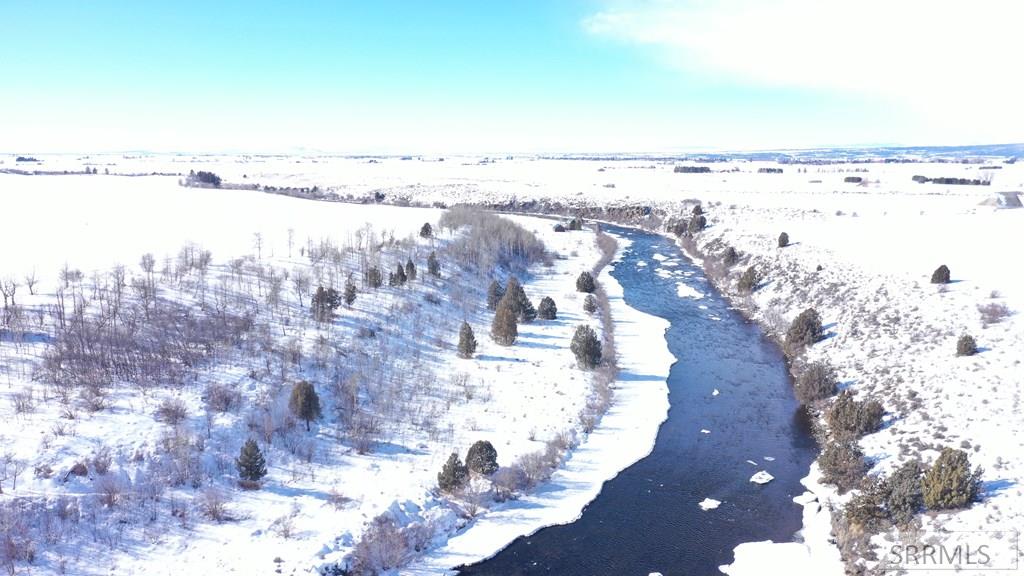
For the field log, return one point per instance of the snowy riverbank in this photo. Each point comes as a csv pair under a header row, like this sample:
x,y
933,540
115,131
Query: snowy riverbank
x,y
626,434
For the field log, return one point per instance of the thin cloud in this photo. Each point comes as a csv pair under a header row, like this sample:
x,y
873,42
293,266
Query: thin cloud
x,y
938,58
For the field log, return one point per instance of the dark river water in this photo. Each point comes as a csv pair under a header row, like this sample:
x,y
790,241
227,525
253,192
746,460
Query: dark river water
x,y
646,519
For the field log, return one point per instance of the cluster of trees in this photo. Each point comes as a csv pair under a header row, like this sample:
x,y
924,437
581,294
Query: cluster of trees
x,y
955,181
203,178
481,458
691,169
769,170
492,241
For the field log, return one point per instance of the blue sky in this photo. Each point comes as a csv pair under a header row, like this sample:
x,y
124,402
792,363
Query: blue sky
x,y
470,76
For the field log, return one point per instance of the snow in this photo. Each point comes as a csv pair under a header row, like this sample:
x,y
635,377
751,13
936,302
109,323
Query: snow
x,y
685,291
709,504
626,434
762,477
891,332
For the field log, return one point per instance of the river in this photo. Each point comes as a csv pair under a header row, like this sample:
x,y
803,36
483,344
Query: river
x,y
647,518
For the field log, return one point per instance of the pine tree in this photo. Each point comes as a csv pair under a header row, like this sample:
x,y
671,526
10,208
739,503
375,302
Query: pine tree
x,y
494,294
350,292
586,347
547,310
590,304
453,475
304,402
410,270
503,328
805,330
941,275
521,305
426,231
467,341
585,282
251,465
482,458
783,240
433,266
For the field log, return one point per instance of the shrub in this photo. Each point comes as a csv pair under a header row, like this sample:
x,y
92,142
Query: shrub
x,y
783,240
433,265
494,293
467,341
749,280
221,397
453,475
482,458
697,210
507,481
816,382
585,282
590,304
586,347
941,275
304,402
547,310
171,411
865,510
251,465
730,257
697,223
426,231
966,346
842,464
949,483
504,329
901,493
383,547
576,223
398,277
559,227
848,417
805,329
410,270
993,313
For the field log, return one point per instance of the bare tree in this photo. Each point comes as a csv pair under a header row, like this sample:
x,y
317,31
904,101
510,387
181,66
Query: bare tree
x,y
30,281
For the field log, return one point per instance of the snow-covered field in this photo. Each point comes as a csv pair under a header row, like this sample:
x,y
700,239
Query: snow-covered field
x,y
321,491
892,333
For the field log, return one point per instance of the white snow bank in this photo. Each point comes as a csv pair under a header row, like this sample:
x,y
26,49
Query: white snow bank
x,y
811,554
626,434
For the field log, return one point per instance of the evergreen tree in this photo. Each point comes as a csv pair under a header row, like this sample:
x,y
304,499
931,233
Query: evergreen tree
x,y
783,240
805,330
433,266
590,304
503,328
467,341
749,280
547,310
966,346
251,465
697,223
325,302
585,282
949,483
397,278
453,475
304,402
482,458
410,270
426,231
941,275
697,210
586,347
350,292
374,278
494,293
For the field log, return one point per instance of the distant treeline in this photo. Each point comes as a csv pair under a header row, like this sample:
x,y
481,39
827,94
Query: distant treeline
x,y
956,181
769,170
691,169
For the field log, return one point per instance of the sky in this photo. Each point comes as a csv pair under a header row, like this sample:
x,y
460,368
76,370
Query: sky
x,y
396,77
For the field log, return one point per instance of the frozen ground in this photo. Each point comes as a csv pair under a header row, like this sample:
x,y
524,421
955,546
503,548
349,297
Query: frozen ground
x,y
892,334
